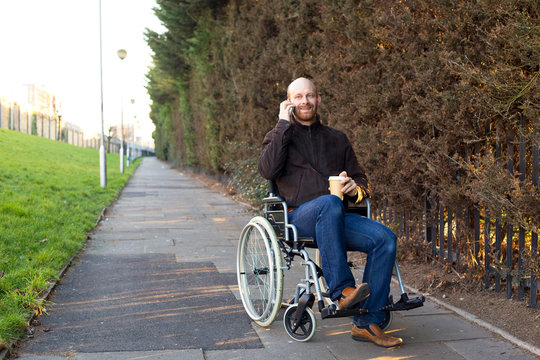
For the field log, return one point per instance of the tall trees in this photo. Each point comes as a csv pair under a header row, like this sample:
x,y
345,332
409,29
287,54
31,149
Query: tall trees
x,y
426,90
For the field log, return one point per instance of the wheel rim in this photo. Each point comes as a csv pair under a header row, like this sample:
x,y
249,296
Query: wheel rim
x,y
255,275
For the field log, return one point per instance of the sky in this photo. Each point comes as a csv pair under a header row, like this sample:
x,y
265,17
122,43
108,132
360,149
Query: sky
x,y
55,44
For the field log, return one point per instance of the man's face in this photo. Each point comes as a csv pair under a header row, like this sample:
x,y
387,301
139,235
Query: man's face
x,y
305,99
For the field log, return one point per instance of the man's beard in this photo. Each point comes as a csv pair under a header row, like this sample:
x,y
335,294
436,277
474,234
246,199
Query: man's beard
x,y
307,117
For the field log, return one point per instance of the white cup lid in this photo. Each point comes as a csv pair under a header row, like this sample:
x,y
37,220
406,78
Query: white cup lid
x,y
341,178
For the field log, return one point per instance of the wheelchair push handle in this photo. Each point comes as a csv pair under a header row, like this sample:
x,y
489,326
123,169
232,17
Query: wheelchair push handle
x,y
273,189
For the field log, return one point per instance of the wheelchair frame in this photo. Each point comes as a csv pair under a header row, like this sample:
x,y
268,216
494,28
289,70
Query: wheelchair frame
x,y
260,275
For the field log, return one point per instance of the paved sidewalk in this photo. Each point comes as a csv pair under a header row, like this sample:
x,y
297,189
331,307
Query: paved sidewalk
x,y
157,281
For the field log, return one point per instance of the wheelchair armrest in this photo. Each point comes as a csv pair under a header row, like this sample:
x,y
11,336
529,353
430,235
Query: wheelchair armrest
x,y
273,199
276,212
363,208
275,203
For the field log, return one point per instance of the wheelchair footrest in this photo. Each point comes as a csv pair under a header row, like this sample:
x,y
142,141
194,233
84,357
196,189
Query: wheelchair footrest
x,y
405,303
331,311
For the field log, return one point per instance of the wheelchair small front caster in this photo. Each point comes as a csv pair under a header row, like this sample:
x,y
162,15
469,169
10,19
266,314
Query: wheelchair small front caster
x,y
304,329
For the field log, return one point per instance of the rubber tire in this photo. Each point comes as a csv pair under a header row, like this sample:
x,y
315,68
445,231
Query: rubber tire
x,y
308,324
269,252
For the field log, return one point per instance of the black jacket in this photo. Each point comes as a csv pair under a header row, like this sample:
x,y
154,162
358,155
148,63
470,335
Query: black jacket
x,y
301,158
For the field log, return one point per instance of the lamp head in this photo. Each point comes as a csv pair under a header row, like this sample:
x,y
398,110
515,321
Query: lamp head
x,y
122,54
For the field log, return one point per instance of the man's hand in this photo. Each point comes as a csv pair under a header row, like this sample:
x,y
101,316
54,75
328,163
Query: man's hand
x,y
284,109
349,185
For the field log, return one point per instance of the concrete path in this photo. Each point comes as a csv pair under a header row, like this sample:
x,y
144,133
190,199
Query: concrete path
x,y
157,281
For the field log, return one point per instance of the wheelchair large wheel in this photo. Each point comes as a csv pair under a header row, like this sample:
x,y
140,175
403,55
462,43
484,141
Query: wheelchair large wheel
x,y
259,272
304,330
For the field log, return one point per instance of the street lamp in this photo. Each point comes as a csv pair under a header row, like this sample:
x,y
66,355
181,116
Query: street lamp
x,y
102,158
122,55
130,140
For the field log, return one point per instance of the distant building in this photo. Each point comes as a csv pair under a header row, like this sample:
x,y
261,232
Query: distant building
x,y
39,99
32,109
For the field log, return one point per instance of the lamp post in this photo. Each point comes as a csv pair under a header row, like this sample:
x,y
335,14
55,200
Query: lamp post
x,y
130,141
102,159
122,55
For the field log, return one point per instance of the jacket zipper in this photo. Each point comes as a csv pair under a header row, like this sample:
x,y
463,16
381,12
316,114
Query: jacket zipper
x,y
311,147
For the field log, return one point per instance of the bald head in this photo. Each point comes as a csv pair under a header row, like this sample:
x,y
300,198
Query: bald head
x,y
300,83
303,95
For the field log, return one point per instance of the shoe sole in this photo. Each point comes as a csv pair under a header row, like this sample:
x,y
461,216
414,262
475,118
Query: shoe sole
x,y
362,339
361,295
356,338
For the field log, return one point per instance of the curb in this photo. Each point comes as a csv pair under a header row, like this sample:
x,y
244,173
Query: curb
x,y
476,320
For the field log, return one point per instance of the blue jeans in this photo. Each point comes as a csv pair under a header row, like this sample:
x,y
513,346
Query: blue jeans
x,y
337,232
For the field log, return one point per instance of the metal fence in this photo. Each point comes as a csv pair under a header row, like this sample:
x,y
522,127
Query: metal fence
x,y
15,117
469,235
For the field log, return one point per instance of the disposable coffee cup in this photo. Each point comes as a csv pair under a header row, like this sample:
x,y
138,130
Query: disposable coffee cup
x,y
336,185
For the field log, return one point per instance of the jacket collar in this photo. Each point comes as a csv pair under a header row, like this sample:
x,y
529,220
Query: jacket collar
x,y
316,124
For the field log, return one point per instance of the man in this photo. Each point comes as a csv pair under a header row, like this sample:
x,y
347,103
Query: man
x,y
299,154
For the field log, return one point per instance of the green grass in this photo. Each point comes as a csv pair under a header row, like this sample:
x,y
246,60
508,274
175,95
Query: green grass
x,y
50,198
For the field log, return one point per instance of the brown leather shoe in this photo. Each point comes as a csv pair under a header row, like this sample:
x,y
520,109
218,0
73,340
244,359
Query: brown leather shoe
x,y
351,296
374,334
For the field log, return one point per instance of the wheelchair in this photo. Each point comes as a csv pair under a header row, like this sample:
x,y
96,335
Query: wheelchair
x,y
268,244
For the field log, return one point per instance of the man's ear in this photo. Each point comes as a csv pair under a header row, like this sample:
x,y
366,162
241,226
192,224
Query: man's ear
x,y
318,99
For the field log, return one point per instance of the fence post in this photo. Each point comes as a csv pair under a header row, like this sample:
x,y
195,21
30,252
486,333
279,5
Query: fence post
x,y
401,222
509,226
459,219
420,226
434,220
476,211
487,259
467,233
498,225
449,235
476,234
534,235
18,117
487,220
384,209
10,116
521,237
407,225
441,232
427,212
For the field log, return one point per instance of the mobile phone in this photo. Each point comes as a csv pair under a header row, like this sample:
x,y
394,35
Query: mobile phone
x,y
291,112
